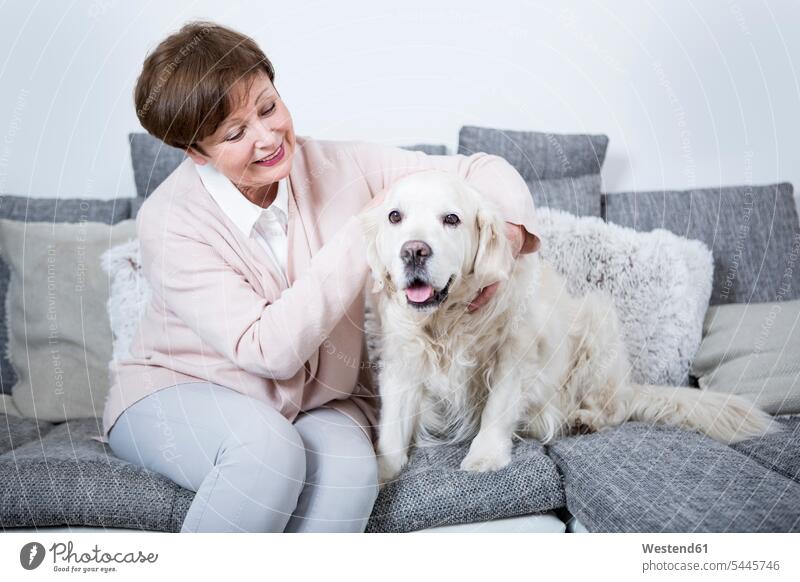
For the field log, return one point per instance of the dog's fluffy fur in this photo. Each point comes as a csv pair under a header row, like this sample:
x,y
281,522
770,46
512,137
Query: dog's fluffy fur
x,y
533,362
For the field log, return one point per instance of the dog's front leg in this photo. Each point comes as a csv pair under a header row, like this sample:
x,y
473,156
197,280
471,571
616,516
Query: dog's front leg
x,y
399,417
491,448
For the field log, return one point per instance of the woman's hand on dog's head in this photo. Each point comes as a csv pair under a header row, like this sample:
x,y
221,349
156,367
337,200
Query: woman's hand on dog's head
x,y
516,238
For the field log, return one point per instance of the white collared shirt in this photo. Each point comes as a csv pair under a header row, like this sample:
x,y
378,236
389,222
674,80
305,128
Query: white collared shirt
x,y
267,225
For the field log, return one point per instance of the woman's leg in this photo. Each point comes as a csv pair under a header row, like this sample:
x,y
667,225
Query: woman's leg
x,y
243,458
341,474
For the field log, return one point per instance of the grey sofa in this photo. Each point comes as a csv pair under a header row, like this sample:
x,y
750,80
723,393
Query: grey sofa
x,y
632,478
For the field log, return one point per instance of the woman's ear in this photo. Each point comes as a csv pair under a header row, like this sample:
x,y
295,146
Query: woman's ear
x,y
370,224
493,260
196,156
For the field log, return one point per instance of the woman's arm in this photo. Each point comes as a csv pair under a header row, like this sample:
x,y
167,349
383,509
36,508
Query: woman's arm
x,y
273,340
492,175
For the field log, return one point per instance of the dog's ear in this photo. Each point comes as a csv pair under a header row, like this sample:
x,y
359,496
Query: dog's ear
x,y
370,221
493,260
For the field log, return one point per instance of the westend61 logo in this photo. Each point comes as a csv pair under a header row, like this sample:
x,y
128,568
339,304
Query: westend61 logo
x,y
33,554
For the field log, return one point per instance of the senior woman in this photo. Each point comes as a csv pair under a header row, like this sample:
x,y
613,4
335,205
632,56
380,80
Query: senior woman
x,y
246,380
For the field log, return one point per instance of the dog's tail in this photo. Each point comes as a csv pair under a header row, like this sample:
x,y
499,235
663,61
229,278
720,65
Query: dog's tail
x,y
723,417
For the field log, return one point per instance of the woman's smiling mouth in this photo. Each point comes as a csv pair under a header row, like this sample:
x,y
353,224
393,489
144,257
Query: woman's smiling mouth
x,y
272,159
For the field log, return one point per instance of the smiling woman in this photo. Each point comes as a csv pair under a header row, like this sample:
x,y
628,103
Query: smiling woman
x,y
248,356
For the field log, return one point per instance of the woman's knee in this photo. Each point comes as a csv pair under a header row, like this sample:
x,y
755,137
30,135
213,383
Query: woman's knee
x,y
339,452
268,442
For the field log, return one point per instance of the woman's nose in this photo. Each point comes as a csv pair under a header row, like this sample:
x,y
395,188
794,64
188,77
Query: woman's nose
x,y
266,137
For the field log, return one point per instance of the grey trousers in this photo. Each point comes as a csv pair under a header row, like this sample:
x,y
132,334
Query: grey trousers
x,y
252,470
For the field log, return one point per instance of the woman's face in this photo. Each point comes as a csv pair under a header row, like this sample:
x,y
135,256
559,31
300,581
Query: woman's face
x,y
261,128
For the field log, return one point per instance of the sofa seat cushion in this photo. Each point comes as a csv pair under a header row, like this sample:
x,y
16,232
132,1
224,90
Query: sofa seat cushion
x,y
69,479
777,452
66,478
16,431
643,478
432,491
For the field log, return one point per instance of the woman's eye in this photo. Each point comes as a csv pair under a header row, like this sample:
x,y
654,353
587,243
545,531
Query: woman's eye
x,y
235,137
394,217
270,110
451,219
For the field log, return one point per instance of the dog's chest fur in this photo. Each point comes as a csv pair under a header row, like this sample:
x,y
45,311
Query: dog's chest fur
x,y
452,375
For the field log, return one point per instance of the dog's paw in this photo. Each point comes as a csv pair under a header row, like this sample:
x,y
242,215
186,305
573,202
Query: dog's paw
x,y
389,466
482,462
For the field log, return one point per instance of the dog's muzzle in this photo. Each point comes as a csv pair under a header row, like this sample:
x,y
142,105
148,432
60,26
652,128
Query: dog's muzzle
x,y
420,294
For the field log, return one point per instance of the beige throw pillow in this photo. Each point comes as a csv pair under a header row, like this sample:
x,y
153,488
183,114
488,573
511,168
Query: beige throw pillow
x,y
59,336
753,350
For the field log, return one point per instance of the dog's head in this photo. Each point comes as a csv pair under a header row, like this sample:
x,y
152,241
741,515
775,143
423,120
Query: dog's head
x,y
435,239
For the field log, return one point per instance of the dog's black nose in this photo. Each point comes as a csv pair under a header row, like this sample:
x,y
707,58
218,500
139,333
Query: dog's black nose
x,y
415,253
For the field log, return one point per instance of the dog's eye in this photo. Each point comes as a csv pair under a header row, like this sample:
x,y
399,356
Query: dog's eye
x,y
451,219
394,217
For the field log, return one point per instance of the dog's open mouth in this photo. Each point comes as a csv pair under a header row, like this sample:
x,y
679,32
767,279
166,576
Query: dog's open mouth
x,y
421,294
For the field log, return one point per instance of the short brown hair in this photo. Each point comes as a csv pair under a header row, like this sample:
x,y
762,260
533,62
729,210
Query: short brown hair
x,y
184,91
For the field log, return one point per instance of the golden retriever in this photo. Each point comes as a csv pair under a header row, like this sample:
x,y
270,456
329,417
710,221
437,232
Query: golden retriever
x,y
533,362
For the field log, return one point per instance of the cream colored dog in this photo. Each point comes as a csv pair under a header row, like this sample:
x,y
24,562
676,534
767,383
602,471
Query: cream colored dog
x,y
533,362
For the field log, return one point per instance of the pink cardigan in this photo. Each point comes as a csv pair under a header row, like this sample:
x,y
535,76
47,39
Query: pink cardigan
x,y
220,313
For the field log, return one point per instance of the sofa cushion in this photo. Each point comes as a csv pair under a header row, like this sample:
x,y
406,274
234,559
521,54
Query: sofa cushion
x,y
753,232
68,479
779,452
153,160
658,282
59,336
643,478
48,210
562,171
16,431
752,350
432,491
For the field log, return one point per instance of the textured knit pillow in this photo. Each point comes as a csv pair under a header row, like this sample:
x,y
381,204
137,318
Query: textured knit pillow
x,y
128,296
659,282
59,335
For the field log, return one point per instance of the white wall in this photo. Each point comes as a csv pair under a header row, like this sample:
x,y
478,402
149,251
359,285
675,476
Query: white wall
x,y
690,93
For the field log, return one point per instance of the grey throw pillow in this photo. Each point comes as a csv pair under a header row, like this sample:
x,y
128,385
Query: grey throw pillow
x,y
153,161
562,171
753,232
59,336
753,350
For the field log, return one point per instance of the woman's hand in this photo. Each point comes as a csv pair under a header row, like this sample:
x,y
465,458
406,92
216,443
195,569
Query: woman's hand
x,y
516,238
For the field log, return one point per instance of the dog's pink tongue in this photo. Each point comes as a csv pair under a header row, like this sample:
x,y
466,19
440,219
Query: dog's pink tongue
x,y
419,293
